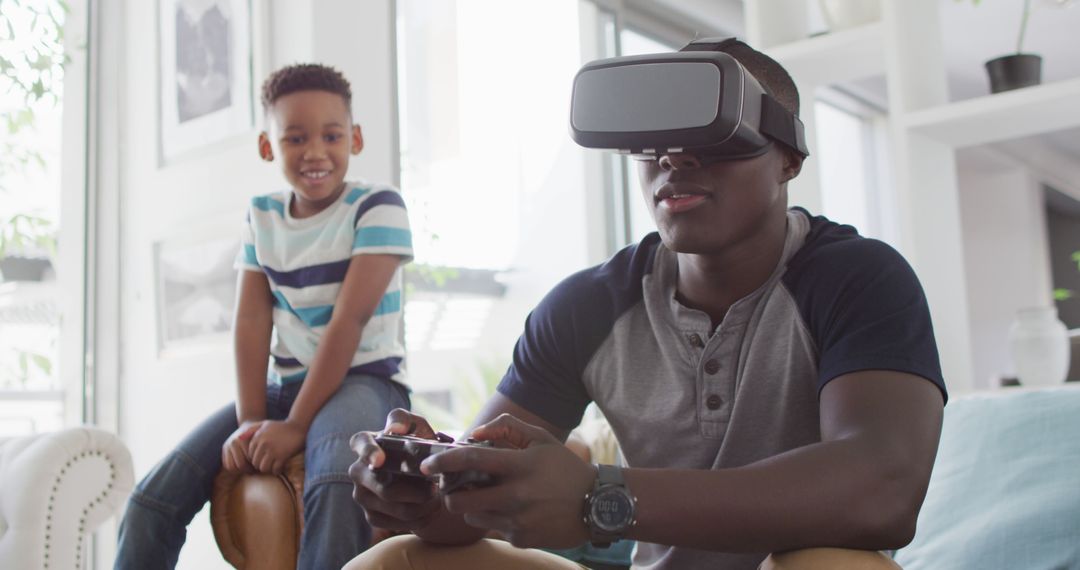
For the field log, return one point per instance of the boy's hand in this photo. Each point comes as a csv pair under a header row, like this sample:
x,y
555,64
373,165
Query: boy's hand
x,y
274,443
235,454
540,485
399,504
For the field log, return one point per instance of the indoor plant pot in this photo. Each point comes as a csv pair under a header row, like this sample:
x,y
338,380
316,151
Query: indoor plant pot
x,y
1014,71
1018,69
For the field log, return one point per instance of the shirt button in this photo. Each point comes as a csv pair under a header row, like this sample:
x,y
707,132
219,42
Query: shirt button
x,y
712,366
695,340
713,402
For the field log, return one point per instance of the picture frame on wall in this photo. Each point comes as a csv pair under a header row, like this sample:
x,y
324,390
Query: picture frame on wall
x,y
195,283
205,83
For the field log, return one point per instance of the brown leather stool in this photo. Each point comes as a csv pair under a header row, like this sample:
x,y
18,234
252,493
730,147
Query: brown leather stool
x,y
257,518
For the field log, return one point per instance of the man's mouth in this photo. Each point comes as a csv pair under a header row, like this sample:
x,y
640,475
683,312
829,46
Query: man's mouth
x,y
677,198
315,174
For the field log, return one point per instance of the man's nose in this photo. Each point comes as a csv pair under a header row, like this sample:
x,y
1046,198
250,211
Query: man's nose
x,y
679,161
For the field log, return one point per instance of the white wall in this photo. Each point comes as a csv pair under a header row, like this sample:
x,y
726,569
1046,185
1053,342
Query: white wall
x,y
1006,253
162,398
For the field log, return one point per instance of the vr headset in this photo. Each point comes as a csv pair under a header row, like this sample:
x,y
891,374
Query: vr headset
x,y
697,100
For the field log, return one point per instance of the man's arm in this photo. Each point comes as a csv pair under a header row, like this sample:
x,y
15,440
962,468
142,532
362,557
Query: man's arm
x,y
861,487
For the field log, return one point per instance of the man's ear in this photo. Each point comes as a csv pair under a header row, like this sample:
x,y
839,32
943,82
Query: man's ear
x,y
266,152
792,166
357,140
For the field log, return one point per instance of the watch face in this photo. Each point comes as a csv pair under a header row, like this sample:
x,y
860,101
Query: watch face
x,y
611,510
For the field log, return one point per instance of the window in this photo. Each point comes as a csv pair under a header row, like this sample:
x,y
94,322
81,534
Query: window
x,y
629,219
847,146
36,388
495,187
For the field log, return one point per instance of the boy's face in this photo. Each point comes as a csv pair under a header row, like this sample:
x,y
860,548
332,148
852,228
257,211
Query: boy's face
x,y
311,136
705,206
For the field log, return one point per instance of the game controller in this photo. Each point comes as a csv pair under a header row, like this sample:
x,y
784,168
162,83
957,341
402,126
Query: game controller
x,y
404,453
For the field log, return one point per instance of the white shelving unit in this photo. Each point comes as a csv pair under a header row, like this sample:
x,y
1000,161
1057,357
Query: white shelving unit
x,y
1003,116
835,57
905,48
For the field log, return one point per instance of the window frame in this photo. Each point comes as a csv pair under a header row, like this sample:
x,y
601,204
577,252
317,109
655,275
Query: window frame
x,y
614,171
874,133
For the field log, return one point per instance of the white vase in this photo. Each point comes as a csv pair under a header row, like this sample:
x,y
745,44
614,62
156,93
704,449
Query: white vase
x,y
1040,347
845,14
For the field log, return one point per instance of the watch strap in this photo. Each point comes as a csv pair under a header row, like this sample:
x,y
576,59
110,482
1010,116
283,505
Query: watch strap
x,y
609,475
606,476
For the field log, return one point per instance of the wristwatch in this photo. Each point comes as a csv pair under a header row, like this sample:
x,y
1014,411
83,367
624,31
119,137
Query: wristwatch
x,y
609,507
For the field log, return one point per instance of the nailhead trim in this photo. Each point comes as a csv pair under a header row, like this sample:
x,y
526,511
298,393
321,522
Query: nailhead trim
x,y
86,511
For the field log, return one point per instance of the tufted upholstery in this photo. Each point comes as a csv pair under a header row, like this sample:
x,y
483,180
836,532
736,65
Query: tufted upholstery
x,y
55,489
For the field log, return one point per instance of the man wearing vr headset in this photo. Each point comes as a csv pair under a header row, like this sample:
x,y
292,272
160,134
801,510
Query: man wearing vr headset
x,y
771,376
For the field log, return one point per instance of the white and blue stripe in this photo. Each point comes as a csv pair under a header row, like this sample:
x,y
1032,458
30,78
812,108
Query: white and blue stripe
x,y
305,261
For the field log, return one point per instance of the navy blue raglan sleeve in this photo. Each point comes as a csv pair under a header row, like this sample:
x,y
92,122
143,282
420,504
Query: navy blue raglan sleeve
x,y
866,310
545,376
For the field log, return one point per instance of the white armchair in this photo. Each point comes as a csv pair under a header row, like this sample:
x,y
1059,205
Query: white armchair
x,y
55,489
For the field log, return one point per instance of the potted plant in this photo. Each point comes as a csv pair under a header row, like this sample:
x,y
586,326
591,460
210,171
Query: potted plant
x,y
1018,69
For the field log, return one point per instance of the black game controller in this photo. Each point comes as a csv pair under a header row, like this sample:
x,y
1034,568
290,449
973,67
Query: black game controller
x,y
404,453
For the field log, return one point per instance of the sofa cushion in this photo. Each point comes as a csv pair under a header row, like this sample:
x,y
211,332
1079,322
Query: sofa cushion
x,y
1005,491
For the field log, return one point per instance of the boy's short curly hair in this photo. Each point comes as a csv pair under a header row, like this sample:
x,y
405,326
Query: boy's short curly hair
x,y
305,77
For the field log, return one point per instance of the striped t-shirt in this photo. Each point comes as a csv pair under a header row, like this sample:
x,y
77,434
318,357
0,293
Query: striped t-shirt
x,y
305,261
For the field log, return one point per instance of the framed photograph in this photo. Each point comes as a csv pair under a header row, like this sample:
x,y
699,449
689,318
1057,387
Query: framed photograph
x,y
205,87
196,292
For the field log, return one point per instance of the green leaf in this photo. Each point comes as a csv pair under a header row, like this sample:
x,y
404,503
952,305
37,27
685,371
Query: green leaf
x,y
42,362
38,89
1062,294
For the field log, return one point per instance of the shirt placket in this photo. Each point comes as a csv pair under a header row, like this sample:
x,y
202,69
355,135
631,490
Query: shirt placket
x,y
716,376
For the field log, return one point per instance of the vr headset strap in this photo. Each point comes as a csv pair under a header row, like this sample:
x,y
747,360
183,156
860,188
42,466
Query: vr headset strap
x,y
711,44
781,125
776,121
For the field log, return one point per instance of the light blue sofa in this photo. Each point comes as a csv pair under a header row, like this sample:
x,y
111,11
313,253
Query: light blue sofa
x,y
1005,492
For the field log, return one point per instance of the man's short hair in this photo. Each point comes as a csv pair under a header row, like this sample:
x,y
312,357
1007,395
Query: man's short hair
x,y
770,74
305,77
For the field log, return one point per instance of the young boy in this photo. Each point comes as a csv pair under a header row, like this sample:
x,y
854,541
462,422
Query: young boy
x,y
320,293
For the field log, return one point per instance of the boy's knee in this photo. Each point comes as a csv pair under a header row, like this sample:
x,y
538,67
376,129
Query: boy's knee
x,y
176,481
829,559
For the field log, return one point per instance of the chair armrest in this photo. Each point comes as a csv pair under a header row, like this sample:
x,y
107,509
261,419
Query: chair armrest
x,y
258,518
56,488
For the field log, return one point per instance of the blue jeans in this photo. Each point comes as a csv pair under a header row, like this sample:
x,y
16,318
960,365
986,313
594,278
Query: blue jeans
x,y
335,530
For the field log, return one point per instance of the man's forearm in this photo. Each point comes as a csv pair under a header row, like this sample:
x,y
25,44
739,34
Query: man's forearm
x,y
827,494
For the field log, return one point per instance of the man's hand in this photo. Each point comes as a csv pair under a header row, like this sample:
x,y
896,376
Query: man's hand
x,y
540,487
400,504
274,443
235,453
